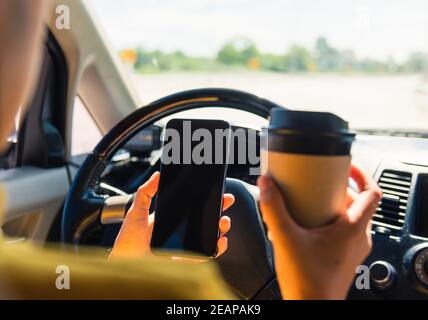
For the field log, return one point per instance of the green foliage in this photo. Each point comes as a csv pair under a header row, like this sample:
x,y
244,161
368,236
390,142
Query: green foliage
x,y
417,62
229,55
327,58
237,52
242,53
157,61
299,59
272,62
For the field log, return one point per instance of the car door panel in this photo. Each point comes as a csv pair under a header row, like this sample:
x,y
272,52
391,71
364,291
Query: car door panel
x,y
32,199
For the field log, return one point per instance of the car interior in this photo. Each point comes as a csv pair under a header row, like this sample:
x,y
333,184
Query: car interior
x,y
59,197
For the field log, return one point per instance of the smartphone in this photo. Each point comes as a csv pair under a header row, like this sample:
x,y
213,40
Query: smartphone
x,y
190,195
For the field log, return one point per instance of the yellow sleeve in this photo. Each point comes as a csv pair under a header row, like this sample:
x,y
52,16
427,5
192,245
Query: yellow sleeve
x,y
27,272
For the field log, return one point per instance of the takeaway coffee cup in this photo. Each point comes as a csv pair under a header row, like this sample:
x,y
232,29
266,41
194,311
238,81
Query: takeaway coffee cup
x,y
308,155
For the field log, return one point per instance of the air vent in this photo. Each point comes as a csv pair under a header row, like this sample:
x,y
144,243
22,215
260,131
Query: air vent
x,y
390,215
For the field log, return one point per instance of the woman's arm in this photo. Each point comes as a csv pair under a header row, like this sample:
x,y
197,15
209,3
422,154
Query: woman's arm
x,y
320,263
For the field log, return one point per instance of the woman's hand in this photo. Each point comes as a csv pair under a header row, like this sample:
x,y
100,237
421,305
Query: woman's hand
x,y
320,263
133,240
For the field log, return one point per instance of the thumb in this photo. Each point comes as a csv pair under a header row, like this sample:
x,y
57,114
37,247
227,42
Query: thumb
x,y
140,207
134,236
274,211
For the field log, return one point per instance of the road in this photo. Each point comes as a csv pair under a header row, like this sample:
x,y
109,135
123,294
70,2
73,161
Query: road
x,y
366,101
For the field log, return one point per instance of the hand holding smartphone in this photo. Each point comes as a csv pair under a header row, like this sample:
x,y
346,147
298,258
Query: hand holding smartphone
x,y
190,194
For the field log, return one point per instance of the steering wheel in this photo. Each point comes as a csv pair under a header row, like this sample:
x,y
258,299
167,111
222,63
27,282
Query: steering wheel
x,y
247,264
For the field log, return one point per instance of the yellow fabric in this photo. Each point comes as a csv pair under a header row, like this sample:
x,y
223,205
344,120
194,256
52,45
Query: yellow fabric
x,y
29,272
2,204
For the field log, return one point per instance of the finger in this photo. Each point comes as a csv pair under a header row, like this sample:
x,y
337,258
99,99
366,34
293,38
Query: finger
x,y
363,208
146,192
274,211
351,196
228,201
222,245
224,225
363,181
143,198
359,177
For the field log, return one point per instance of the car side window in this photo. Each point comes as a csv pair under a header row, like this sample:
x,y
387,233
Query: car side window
x,y
85,132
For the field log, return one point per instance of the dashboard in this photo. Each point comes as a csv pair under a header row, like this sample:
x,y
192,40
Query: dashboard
x,y
398,263
399,260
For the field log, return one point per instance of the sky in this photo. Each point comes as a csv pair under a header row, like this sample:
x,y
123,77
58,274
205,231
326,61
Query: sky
x,y
377,29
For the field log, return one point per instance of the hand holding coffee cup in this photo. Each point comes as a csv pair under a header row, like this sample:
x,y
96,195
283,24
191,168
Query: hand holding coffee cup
x,y
308,155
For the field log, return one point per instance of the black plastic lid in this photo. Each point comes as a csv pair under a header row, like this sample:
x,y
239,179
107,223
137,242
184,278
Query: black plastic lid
x,y
306,132
308,121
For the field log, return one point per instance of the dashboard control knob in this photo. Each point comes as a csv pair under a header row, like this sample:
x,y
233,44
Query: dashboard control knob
x,y
382,274
416,266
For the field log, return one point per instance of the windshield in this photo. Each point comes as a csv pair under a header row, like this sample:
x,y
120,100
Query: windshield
x,y
366,61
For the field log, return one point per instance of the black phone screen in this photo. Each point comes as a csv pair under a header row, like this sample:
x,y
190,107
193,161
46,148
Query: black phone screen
x,y
189,200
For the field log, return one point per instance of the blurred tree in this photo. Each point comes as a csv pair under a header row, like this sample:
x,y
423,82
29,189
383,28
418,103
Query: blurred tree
x,y
229,54
347,61
327,58
417,62
238,51
299,59
272,62
143,58
249,52
243,53
392,66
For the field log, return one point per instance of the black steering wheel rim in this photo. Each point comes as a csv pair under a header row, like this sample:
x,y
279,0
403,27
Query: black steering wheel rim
x,y
181,101
82,204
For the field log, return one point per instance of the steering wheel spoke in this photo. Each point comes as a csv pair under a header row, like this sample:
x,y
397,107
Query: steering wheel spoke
x,y
115,208
88,210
